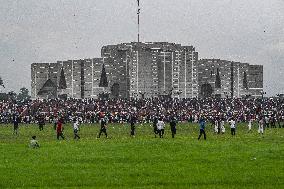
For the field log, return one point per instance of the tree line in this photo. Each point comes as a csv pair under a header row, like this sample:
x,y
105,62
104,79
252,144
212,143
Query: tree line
x,y
23,94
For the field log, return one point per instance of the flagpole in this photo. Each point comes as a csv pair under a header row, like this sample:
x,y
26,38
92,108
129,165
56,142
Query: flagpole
x,y
138,20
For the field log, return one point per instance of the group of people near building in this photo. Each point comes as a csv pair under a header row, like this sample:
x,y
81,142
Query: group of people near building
x,y
268,112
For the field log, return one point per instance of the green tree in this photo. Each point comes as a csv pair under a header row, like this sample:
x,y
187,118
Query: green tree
x,y
12,95
24,94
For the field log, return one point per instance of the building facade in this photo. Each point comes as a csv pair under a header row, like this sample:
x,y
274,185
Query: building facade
x,y
145,70
222,78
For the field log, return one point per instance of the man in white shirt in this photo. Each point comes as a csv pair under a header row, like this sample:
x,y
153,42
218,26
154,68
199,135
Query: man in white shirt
x,y
34,143
223,126
233,126
161,128
249,124
260,126
76,128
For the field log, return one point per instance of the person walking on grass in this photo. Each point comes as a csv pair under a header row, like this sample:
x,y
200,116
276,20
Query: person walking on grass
x,y
249,125
261,126
222,123
76,128
34,143
173,125
233,127
161,128
132,126
16,121
103,127
155,121
202,128
59,129
41,122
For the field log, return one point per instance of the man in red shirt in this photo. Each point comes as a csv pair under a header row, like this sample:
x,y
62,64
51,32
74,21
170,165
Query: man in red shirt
x,y
59,129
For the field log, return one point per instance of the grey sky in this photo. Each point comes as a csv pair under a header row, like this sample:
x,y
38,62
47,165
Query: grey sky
x,y
46,31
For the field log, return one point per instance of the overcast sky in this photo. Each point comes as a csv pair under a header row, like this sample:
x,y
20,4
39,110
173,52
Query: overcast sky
x,y
249,31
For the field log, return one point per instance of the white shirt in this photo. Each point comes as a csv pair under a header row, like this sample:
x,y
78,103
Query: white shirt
x,y
160,125
232,124
76,125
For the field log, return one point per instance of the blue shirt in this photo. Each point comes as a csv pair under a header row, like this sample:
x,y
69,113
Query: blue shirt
x,y
202,124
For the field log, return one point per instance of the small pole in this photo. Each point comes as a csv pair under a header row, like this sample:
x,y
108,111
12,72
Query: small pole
x,y
138,20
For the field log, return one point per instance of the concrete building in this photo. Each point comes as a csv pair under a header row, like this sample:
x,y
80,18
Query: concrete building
x,y
145,70
222,78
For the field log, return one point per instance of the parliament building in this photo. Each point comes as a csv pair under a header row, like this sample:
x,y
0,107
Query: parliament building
x,y
146,70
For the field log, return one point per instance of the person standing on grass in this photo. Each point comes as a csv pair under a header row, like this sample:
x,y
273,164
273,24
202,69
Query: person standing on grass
x,y
202,128
260,125
103,127
173,124
55,120
249,125
155,121
132,126
16,121
76,128
34,143
222,123
41,122
161,128
233,126
59,129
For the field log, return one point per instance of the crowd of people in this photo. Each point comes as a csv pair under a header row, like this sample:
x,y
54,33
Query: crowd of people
x,y
267,112
145,110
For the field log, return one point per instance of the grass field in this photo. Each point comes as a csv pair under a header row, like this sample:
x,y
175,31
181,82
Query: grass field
x,y
247,160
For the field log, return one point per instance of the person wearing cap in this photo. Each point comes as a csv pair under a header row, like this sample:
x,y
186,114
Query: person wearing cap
x,y
202,128
34,143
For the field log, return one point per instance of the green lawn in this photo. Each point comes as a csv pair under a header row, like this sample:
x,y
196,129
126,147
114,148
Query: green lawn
x,y
247,160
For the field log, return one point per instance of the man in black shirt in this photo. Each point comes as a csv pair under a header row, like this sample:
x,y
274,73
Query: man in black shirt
x,y
16,121
173,124
41,122
132,125
103,127
155,121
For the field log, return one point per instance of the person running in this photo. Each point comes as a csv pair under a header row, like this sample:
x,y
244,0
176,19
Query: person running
x,y
161,128
233,126
76,128
132,126
34,143
173,124
59,129
103,128
202,128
